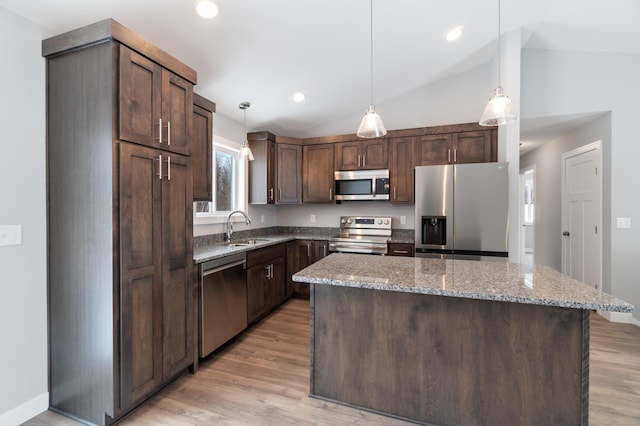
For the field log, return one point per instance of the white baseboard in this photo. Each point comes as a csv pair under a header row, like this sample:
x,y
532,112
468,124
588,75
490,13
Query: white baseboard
x,y
621,317
25,411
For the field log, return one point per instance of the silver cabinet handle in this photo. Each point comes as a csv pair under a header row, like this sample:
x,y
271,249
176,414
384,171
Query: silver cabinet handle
x,y
448,156
358,161
309,250
279,194
268,268
160,130
168,168
330,194
394,193
364,161
159,166
324,250
168,133
401,251
271,270
271,194
455,155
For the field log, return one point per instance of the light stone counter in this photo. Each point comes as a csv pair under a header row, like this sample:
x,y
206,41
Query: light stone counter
x,y
485,280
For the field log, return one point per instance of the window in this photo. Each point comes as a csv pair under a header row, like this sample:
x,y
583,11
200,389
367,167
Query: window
x,y
229,184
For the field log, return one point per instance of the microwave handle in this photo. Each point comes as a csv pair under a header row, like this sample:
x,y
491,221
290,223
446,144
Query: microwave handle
x,y
374,182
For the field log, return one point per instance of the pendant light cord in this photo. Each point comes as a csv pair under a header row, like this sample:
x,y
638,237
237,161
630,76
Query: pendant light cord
x,y
499,49
371,49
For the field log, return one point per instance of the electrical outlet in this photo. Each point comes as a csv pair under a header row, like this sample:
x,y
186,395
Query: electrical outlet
x,y
10,235
403,220
313,218
261,218
623,222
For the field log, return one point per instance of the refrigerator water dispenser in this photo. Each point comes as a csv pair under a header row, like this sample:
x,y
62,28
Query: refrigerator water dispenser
x,y
434,230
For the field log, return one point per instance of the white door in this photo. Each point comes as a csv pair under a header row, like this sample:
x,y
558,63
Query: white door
x,y
581,211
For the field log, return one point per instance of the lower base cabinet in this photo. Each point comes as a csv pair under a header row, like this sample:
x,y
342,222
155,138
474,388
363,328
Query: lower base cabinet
x,y
301,254
266,284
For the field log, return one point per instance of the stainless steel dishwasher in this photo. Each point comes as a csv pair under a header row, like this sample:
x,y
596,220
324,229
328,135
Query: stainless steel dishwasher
x,y
223,308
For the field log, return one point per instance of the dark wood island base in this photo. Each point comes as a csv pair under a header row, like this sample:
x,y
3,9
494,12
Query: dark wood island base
x,y
447,360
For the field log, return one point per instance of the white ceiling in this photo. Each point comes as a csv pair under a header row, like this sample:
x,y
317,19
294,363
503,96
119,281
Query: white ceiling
x,y
263,51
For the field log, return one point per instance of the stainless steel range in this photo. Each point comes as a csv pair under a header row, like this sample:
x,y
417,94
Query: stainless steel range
x,y
362,234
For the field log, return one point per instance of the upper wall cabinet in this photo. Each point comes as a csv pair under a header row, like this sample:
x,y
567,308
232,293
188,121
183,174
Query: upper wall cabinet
x,y
202,149
361,155
457,147
317,170
155,104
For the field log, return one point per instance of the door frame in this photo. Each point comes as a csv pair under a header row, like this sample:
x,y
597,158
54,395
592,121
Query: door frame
x,y
597,145
521,210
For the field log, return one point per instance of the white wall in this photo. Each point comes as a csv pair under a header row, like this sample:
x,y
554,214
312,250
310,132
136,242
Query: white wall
x,y
548,192
560,83
23,287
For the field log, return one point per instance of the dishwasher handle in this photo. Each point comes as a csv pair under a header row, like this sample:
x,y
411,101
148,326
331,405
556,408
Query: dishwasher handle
x,y
223,267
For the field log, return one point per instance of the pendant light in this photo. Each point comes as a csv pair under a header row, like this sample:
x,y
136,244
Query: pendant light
x,y
371,125
499,109
245,151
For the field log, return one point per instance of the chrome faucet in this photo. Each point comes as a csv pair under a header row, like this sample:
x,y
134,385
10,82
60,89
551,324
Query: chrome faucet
x,y
230,226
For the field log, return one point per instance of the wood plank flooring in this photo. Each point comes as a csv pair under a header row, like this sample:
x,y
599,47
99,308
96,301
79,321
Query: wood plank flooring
x,y
262,377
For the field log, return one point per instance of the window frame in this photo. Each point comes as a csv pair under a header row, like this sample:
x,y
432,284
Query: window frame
x,y
241,182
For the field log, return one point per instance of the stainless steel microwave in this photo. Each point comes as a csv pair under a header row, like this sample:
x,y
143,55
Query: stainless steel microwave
x,y
362,185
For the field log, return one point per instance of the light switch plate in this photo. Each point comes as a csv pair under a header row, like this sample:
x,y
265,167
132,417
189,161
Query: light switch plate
x,y
403,220
313,218
10,235
623,222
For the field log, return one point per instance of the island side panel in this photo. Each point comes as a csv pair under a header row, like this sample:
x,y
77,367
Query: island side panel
x,y
449,361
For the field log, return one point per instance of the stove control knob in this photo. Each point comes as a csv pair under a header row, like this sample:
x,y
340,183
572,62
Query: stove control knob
x,y
343,220
379,221
386,221
349,221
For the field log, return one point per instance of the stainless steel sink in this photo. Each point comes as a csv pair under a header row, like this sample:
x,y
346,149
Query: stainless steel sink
x,y
248,242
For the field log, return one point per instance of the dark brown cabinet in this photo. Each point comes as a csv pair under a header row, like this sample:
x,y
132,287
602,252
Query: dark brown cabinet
x,y
302,254
119,213
461,147
275,174
401,170
289,174
401,249
156,287
202,148
361,155
317,170
266,284
155,104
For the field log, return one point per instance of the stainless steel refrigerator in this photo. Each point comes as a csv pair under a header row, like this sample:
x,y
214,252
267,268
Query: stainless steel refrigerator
x,y
462,211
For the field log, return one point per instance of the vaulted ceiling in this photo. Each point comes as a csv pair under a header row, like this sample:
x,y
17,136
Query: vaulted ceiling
x,y
265,50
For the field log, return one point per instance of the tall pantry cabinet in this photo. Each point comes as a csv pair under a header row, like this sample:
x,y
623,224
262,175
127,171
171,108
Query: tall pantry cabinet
x,y
120,238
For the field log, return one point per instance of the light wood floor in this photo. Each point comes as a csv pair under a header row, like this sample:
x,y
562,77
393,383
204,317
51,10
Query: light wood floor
x,y
262,377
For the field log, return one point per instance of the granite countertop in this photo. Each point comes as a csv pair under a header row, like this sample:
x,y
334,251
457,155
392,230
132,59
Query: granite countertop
x,y
487,280
217,250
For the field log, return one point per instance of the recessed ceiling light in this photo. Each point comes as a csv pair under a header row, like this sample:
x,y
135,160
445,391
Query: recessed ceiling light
x,y
206,9
299,97
454,34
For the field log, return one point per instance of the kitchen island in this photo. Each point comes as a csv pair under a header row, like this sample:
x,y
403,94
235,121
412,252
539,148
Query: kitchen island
x,y
451,342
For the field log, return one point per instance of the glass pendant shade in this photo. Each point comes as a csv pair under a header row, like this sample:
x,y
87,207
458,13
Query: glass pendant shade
x,y
499,110
371,125
245,151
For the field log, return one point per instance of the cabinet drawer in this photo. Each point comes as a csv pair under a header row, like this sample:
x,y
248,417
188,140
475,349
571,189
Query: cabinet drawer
x,y
266,254
401,249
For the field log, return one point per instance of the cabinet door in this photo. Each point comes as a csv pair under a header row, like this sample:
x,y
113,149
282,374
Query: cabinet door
x,y
256,291
202,150
401,170
141,273
317,169
348,155
177,261
433,150
401,249
276,288
177,113
320,250
140,82
289,174
374,154
262,172
473,147
304,252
